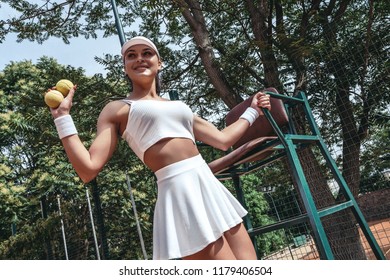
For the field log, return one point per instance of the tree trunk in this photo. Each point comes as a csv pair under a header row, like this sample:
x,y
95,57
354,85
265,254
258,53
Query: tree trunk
x,y
263,39
192,13
351,139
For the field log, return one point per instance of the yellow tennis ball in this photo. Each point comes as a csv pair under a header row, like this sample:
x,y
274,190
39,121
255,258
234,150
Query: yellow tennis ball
x,y
64,86
53,98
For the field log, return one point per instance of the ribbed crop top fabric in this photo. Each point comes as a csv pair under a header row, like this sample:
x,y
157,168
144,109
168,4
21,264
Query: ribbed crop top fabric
x,y
150,121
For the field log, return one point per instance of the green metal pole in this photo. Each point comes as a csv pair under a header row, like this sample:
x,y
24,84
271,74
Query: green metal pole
x,y
247,221
141,239
303,187
92,224
342,183
49,249
100,219
118,23
314,218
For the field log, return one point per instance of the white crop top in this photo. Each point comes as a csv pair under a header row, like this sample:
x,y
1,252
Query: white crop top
x,y
150,121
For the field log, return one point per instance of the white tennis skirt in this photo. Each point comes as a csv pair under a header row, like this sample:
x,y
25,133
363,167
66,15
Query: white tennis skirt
x,y
193,209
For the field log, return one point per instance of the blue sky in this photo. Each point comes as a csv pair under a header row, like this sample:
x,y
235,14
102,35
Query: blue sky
x,y
79,53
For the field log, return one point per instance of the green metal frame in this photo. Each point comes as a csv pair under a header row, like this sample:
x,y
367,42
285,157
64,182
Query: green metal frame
x,y
287,144
118,23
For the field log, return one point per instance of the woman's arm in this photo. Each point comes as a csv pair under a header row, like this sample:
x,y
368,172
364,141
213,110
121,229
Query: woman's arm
x,y
88,163
207,133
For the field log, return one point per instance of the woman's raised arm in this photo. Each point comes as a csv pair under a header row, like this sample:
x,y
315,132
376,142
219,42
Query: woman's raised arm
x,y
207,133
87,163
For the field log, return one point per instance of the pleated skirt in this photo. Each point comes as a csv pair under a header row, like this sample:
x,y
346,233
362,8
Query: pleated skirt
x,y
193,209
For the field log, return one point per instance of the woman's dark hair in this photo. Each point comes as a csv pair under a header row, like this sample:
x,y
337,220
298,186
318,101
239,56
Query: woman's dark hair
x,y
158,83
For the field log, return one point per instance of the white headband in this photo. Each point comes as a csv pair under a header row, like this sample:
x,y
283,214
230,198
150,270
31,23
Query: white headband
x,y
139,40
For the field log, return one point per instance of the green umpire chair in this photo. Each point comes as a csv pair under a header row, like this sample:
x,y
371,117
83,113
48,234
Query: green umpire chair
x,y
273,137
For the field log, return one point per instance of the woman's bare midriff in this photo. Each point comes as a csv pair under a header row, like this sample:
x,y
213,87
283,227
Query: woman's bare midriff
x,y
168,151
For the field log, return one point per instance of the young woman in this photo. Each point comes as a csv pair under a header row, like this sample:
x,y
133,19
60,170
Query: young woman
x,y
195,217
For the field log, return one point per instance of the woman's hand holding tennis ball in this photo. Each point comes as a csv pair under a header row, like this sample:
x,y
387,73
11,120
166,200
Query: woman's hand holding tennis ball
x,y
63,108
55,96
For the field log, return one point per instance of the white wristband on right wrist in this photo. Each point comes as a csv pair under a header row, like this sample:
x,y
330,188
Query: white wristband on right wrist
x,y
250,115
65,126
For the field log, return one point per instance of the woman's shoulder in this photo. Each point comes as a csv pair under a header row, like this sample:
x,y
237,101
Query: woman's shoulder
x,y
116,103
114,108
